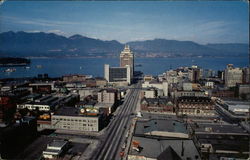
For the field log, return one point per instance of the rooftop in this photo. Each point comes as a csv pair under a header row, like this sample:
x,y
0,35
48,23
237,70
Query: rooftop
x,y
152,148
163,101
57,143
218,128
144,127
71,111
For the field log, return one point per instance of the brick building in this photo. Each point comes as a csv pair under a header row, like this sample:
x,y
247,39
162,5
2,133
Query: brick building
x,y
195,106
157,105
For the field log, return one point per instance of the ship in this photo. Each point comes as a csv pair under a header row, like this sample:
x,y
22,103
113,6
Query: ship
x,y
10,70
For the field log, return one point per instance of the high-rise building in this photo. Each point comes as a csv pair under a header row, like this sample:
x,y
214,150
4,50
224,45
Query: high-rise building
x,y
233,76
127,58
194,74
119,75
246,74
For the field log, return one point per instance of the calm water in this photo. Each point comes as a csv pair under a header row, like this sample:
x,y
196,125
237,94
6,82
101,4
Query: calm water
x,y
56,67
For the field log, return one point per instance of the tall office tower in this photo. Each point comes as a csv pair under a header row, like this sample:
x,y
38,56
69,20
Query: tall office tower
x,y
127,58
194,74
118,75
233,76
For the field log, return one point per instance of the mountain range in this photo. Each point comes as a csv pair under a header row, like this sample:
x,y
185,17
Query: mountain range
x,y
25,44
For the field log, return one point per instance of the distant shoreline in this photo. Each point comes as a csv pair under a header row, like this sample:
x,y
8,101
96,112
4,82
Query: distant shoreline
x,y
93,57
13,61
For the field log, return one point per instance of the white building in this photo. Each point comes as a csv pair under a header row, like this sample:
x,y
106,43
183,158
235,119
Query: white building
x,y
30,106
232,76
209,84
159,85
107,96
70,118
55,149
149,93
118,75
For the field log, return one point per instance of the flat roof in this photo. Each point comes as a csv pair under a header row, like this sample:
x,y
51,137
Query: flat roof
x,y
218,128
225,142
58,143
151,125
70,111
231,102
101,104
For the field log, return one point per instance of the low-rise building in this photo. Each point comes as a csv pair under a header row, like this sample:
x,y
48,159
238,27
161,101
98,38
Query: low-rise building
x,y
74,78
149,93
155,84
84,92
237,107
74,85
219,140
180,93
157,105
70,118
187,87
161,128
101,82
55,149
243,91
144,148
209,84
47,103
148,78
105,108
108,95
195,106
223,93
42,87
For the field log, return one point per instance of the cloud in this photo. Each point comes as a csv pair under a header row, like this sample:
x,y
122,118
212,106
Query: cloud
x,y
39,22
33,31
56,31
212,27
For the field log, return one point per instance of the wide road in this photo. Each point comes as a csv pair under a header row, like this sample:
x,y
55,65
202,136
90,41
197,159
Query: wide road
x,y
112,140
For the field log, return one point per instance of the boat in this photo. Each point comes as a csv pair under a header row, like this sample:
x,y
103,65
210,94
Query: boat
x,y
10,70
27,67
138,65
39,66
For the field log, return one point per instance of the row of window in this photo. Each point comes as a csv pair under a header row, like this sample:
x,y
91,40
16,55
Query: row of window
x,y
74,120
195,111
79,128
188,106
33,107
78,125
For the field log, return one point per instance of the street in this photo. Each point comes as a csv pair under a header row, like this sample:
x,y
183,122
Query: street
x,y
116,131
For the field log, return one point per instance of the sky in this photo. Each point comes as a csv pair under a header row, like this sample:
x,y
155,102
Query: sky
x,y
199,21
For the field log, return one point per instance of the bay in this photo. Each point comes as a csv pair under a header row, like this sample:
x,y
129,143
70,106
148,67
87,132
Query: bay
x,y
57,67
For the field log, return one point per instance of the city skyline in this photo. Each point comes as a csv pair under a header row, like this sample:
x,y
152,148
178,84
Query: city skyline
x,y
201,22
